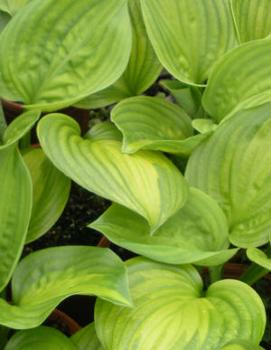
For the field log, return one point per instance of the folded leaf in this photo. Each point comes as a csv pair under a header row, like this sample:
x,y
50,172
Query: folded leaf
x,y
155,124
142,70
239,80
87,51
197,233
146,182
45,278
172,298
189,36
15,209
252,18
86,339
16,196
50,193
234,167
41,338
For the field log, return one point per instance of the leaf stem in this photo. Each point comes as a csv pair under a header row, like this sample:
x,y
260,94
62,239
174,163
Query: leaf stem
x,y
215,273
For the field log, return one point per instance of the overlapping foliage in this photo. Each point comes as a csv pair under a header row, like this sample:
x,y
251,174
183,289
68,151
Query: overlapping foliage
x,y
187,169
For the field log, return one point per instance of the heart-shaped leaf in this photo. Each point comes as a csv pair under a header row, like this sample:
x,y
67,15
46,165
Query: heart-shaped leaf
x,y
197,233
142,70
45,278
41,338
86,339
189,36
16,196
155,124
252,18
234,167
50,193
172,298
146,182
82,47
240,79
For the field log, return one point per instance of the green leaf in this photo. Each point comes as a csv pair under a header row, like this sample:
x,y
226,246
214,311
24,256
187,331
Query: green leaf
x,y
204,125
259,257
19,127
252,18
15,210
3,124
87,51
41,338
155,124
234,167
172,298
241,345
189,37
146,182
142,70
240,79
86,339
195,234
50,193
44,278
104,131
16,196
12,6
187,96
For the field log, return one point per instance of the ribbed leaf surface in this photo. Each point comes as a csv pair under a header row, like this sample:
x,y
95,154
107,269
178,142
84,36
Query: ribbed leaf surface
x,y
240,79
259,257
82,47
50,193
86,339
41,338
142,70
44,278
145,182
234,167
189,36
155,124
195,234
252,18
171,298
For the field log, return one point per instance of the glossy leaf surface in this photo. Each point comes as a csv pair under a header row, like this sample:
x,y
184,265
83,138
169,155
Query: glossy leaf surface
x,y
195,234
82,47
239,80
145,182
170,296
41,338
142,70
241,345
50,193
234,168
86,339
189,36
252,18
44,278
155,124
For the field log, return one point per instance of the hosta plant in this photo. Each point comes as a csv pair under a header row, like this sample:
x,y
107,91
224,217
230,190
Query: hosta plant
x,y
184,160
